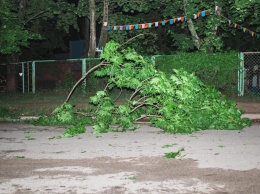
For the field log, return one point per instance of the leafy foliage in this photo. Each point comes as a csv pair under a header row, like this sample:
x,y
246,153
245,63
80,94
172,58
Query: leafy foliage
x,y
12,33
17,32
213,31
177,103
218,70
5,113
64,115
173,154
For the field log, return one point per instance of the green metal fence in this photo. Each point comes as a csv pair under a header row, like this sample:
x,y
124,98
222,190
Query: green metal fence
x,y
41,75
47,75
249,75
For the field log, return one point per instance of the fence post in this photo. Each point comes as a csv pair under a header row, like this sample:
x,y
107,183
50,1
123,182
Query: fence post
x,y
33,77
241,75
23,76
84,71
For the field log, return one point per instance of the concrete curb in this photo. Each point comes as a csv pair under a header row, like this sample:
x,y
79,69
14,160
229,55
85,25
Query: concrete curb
x,y
251,116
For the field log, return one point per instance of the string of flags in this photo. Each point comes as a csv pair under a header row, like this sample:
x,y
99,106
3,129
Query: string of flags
x,y
155,24
172,21
240,27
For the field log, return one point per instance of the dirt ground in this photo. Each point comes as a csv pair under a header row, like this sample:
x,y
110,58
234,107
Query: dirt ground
x,y
34,159
249,107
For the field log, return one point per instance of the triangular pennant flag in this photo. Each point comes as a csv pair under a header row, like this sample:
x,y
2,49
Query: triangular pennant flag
x,y
195,16
131,27
244,29
238,26
253,33
174,20
207,13
115,27
108,28
149,25
235,25
166,21
258,36
182,19
139,26
124,27
241,27
105,24
229,22
198,14
185,18
203,14
156,24
171,21
145,26
127,27
136,26
121,27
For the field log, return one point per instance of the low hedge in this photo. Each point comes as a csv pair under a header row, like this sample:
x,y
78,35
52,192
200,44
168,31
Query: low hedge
x,y
219,70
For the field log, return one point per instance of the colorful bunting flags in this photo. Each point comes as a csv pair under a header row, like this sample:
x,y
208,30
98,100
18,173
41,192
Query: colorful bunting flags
x,y
245,30
179,19
155,24
163,23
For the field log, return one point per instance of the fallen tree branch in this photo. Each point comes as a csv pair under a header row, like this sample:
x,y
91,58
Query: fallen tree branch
x,y
82,78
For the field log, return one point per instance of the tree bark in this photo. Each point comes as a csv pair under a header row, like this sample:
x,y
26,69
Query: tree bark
x,y
103,34
22,8
197,41
87,35
92,45
215,29
12,77
11,84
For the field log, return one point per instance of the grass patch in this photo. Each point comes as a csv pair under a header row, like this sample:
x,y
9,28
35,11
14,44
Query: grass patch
x,y
173,154
44,103
169,145
29,138
6,113
20,156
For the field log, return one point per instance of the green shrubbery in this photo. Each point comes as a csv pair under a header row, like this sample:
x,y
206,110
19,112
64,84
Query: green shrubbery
x,y
219,70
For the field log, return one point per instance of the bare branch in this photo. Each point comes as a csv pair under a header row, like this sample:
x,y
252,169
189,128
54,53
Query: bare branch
x,y
84,114
82,78
35,16
132,39
138,88
143,104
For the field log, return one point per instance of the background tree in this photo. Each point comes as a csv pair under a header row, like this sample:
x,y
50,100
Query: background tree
x,y
22,23
212,33
103,34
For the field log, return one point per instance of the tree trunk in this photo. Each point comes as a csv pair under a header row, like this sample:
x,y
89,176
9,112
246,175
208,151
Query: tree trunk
x,y
197,41
11,84
214,30
92,45
103,34
87,35
22,8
